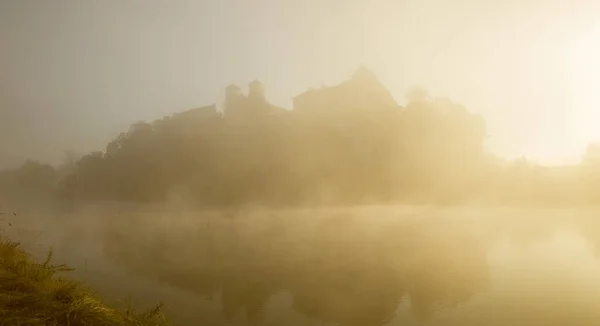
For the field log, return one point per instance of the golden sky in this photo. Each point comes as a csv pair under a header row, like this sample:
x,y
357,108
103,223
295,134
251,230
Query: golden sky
x,y
75,73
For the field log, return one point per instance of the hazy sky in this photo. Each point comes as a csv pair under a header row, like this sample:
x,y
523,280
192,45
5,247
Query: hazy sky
x,y
74,73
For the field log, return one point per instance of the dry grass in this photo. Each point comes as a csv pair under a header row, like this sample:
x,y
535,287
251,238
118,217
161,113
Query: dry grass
x,y
32,294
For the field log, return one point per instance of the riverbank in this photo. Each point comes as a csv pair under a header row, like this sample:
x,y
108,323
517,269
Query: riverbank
x,y
34,293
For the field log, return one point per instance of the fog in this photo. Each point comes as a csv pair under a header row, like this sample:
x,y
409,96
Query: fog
x,y
107,64
309,163
351,266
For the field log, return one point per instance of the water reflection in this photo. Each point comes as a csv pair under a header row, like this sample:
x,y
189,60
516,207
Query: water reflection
x,y
590,230
342,269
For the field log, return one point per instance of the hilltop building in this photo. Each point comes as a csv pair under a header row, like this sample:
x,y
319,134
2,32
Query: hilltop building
x,y
205,112
363,92
255,104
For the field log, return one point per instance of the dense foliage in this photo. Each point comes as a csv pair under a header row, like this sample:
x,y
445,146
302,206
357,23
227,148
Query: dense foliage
x,y
287,158
347,144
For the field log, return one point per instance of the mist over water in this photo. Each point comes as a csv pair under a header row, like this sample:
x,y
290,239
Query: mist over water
x,y
236,161
257,215
375,265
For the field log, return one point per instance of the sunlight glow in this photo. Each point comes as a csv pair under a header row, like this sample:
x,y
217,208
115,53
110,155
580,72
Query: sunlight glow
x,y
585,83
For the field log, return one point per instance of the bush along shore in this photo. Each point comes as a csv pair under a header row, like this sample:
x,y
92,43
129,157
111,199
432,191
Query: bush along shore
x,y
34,293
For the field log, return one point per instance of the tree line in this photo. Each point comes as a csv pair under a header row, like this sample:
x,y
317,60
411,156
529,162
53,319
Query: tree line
x,y
431,150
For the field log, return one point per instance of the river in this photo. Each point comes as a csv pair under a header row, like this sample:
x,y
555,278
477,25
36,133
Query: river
x,y
348,266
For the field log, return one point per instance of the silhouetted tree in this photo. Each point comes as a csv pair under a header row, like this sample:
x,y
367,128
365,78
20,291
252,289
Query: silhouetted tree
x,y
30,181
344,144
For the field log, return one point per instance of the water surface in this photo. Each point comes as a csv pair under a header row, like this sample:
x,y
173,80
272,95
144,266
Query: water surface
x,y
361,266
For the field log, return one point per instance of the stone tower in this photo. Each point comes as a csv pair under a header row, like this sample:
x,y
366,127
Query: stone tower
x,y
256,91
233,98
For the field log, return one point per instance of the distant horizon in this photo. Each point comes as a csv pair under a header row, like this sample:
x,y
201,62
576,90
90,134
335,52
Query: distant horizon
x,y
566,162
75,74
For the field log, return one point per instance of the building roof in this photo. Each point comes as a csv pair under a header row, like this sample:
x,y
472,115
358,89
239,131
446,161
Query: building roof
x,y
363,80
197,112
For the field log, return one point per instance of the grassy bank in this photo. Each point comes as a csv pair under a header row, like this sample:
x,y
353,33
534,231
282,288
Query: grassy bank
x,y
32,294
